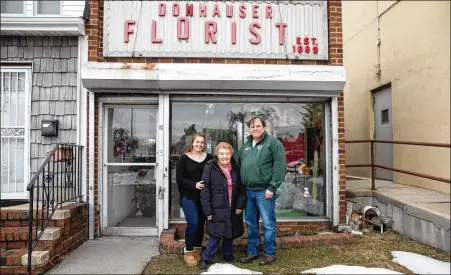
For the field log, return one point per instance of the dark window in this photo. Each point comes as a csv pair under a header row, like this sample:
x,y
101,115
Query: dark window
x,y
384,116
300,128
48,7
12,7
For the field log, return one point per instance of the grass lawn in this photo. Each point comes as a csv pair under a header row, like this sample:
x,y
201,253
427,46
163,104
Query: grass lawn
x,y
371,250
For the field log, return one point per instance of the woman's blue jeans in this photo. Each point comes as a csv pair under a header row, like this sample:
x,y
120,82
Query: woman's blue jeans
x,y
256,206
195,222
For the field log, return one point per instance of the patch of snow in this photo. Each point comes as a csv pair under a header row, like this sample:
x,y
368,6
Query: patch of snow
x,y
347,269
228,269
420,264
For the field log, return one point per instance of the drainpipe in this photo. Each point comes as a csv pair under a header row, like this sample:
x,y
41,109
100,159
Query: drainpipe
x,y
378,44
378,35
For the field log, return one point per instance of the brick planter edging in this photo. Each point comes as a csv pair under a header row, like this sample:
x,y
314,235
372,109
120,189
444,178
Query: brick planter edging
x,y
168,245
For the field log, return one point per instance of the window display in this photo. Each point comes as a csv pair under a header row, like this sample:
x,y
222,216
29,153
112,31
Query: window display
x,y
299,127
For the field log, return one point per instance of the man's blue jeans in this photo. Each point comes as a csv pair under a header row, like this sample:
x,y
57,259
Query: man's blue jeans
x,y
256,206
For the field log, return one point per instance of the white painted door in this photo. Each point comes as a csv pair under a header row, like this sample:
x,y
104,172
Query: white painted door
x,y
383,128
131,178
15,114
163,153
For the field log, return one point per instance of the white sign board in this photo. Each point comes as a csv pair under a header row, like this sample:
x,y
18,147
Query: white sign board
x,y
216,29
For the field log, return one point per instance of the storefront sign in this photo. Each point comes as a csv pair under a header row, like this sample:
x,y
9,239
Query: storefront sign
x,y
222,29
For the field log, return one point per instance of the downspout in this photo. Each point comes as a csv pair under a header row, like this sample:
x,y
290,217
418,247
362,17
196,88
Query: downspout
x,y
378,35
83,123
378,44
82,96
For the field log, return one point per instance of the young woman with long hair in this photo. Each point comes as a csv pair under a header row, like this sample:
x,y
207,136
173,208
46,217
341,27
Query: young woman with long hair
x,y
188,175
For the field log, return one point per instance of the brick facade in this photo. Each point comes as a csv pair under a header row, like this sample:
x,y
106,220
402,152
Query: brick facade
x,y
72,232
94,31
169,245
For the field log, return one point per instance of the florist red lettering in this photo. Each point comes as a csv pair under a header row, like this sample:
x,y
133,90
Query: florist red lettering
x,y
127,30
281,27
154,33
210,32
183,24
257,38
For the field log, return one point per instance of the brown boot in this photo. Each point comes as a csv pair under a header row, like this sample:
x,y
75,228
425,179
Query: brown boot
x,y
189,258
248,259
197,253
267,260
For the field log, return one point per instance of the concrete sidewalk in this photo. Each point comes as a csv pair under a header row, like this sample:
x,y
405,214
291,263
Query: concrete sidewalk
x,y
109,255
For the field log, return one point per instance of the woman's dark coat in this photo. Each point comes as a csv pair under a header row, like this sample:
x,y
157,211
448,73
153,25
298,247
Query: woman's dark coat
x,y
214,199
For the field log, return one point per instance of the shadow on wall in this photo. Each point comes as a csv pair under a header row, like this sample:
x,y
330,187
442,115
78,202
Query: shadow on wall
x,y
7,203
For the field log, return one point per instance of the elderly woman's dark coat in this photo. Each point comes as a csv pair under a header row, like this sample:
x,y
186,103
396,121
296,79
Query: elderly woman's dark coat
x,y
214,199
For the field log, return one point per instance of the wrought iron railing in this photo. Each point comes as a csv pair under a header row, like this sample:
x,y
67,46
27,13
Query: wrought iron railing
x,y
57,181
374,165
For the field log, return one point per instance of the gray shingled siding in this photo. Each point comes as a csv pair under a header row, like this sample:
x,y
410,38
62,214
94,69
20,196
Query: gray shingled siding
x,y
54,87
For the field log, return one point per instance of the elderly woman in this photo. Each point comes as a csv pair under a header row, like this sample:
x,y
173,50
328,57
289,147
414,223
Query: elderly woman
x,y
222,200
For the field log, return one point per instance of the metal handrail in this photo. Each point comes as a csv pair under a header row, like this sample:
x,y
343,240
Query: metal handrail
x,y
374,165
431,144
59,179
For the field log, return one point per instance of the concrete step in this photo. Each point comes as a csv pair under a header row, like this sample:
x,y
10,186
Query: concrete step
x,y
60,238
37,258
417,213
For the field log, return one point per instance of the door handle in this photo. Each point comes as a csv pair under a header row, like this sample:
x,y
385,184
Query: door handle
x,y
160,193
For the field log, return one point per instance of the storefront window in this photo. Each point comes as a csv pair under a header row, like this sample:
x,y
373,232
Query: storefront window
x,y
299,127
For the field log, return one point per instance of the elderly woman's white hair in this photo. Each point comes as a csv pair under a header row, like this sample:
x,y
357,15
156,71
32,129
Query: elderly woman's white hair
x,y
223,145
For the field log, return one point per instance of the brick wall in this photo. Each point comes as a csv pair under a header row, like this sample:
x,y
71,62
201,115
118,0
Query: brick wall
x,y
73,231
94,31
54,87
336,58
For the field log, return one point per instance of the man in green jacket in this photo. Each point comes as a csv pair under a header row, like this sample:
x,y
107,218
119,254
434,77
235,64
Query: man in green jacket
x,y
263,167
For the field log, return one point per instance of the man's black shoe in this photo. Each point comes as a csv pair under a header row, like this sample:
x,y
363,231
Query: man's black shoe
x,y
248,259
267,260
229,259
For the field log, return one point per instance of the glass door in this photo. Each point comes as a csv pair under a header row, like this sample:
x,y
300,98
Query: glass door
x,y
14,116
130,176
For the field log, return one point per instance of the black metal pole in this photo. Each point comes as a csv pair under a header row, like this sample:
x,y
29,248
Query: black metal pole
x,y
30,230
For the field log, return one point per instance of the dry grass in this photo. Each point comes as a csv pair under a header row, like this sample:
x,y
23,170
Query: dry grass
x,y
370,250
